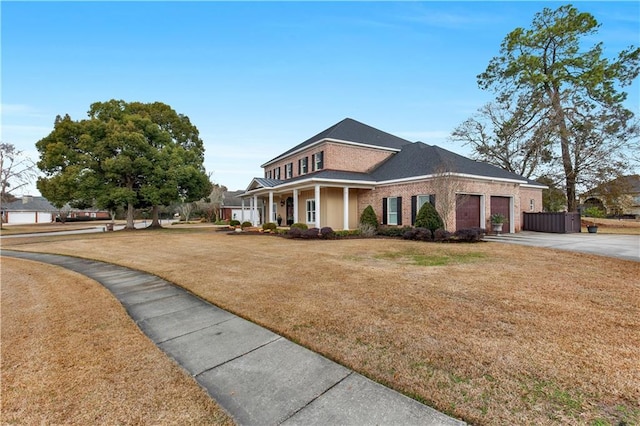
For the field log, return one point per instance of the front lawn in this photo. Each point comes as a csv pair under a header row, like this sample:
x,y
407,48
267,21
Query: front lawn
x,y
489,333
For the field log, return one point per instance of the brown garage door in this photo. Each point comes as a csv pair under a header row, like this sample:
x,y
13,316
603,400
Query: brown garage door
x,y
501,205
467,211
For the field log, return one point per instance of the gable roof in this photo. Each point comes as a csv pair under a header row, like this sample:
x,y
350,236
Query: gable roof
x,y
629,184
350,131
420,159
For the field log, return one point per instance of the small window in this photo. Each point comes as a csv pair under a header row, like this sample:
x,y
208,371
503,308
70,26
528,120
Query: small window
x,y
288,171
269,175
532,205
318,160
277,173
304,166
311,211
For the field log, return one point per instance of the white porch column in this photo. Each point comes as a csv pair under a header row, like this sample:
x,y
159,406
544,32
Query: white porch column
x,y
317,198
241,212
512,216
255,211
345,210
270,209
295,206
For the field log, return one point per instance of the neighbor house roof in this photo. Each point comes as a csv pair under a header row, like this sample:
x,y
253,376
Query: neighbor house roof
x,y
30,204
349,130
628,184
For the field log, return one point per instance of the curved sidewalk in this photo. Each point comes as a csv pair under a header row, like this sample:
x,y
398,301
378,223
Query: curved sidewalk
x,y
259,377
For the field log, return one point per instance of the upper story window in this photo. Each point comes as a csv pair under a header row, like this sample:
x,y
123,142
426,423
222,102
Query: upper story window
x,y
276,173
303,166
318,161
288,171
268,174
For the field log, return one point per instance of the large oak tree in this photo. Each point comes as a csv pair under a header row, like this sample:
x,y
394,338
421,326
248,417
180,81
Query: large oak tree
x,y
574,92
135,155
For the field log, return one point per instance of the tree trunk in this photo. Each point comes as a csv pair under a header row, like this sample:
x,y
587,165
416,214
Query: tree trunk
x,y
129,225
567,164
155,222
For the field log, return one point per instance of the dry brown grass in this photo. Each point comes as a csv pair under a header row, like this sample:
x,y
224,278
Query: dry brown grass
x,y
71,355
500,334
613,226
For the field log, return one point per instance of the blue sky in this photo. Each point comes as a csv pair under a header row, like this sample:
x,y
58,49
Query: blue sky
x,y
257,78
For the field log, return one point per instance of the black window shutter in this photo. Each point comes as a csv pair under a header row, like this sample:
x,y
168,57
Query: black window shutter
x,y
432,199
399,201
384,211
414,206
300,166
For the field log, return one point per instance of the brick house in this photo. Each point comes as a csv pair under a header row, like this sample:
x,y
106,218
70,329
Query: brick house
x,y
329,179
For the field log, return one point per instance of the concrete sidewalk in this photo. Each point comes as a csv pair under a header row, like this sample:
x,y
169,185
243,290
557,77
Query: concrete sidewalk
x,y
259,377
625,247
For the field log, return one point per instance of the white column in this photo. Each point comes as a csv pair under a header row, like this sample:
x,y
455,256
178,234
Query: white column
x,y
255,210
345,211
512,216
241,212
295,206
317,198
270,209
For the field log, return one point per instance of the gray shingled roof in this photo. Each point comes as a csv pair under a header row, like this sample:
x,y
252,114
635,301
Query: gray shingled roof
x,y
420,159
352,131
30,204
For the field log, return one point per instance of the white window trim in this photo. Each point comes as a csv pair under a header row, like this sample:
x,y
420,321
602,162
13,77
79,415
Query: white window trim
x,y
395,211
310,214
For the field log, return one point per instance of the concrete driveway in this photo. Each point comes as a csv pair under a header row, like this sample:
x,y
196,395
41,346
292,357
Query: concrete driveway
x,y
625,247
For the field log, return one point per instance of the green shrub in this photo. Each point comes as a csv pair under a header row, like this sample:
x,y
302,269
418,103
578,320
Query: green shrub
x,y
594,212
301,226
429,218
393,231
246,224
234,222
368,217
269,226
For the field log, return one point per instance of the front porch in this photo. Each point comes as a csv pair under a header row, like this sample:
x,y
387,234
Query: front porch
x,y
316,205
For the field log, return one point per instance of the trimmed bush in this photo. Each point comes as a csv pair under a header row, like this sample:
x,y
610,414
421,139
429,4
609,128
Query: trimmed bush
x,y
442,235
326,232
368,217
393,231
234,222
311,233
294,233
470,235
246,224
429,218
301,226
418,234
269,226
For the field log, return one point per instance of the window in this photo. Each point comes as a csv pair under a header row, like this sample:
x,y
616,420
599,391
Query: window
x,y
274,207
268,174
276,173
311,211
303,165
392,211
318,160
288,171
532,205
421,200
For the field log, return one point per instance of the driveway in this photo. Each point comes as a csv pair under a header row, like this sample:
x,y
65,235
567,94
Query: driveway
x,y
625,247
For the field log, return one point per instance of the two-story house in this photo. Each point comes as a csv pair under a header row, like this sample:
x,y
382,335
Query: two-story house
x,y
329,179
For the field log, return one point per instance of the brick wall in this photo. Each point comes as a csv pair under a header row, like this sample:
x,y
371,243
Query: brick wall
x,y
336,157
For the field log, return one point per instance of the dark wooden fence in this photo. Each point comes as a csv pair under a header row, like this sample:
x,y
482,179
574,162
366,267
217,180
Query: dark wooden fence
x,y
559,223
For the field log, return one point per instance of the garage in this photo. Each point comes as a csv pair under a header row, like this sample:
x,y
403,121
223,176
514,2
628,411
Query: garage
x,y
21,217
502,205
467,211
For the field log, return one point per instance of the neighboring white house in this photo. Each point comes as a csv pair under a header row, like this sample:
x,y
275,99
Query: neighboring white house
x,y
28,209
